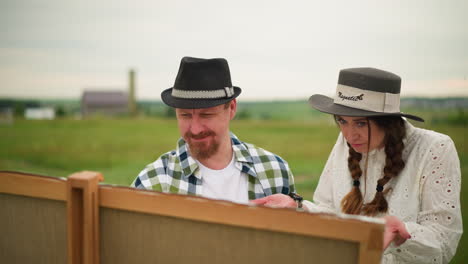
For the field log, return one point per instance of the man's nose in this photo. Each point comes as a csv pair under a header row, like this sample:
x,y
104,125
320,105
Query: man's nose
x,y
196,126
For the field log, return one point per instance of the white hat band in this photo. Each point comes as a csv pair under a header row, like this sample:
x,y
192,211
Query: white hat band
x,y
367,100
205,94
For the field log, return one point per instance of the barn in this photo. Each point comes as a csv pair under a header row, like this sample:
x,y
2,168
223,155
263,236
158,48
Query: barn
x,y
110,103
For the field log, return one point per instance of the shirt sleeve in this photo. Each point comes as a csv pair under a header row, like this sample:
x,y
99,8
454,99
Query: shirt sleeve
x,y
323,195
292,187
438,228
152,177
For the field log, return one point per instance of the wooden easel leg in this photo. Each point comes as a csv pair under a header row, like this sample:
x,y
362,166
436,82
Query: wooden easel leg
x,y
83,217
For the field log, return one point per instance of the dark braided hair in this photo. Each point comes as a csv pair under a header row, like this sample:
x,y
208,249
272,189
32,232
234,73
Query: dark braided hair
x,y
394,128
352,202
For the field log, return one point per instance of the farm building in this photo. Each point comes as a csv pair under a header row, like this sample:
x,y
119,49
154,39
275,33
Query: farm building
x,y
39,113
104,103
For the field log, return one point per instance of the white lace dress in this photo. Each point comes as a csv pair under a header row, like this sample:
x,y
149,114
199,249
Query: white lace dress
x,y
425,196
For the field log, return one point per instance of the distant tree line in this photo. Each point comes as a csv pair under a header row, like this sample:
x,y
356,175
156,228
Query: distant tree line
x,y
451,111
19,106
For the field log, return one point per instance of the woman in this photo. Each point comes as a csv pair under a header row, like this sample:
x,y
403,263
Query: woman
x,y
383,166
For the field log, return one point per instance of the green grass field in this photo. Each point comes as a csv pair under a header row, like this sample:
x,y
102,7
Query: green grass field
x,y
120,148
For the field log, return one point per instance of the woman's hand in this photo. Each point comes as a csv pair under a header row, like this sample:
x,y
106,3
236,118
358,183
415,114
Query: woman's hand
x,y
395,231
276,200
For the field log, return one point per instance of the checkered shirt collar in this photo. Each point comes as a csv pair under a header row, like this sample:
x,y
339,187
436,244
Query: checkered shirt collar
x,y
189,166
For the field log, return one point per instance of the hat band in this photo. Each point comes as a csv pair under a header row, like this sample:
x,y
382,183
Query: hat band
x,y
204,94
367,100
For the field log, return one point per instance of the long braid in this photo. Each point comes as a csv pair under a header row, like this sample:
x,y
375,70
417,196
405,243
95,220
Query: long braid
x,y
394,128
352,202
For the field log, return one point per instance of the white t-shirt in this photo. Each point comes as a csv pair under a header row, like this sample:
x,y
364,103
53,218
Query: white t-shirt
x,y
225,184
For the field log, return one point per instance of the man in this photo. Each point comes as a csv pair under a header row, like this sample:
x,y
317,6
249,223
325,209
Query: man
x,y
210,161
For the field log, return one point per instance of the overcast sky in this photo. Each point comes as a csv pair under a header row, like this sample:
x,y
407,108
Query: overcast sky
x,y
275,49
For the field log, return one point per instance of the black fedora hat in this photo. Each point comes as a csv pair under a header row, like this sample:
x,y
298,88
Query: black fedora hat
x,y
201,83
363,92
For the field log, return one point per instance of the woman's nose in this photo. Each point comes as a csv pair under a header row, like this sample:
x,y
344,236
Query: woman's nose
x,y
350,133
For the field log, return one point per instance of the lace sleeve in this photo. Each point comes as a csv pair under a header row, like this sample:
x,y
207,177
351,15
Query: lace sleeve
x,y
323,195
438,228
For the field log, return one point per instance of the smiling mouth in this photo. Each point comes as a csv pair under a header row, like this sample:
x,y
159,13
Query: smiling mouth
x,y
199,138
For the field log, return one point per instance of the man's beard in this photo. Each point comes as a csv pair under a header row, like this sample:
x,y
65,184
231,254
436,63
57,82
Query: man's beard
x,y
202,150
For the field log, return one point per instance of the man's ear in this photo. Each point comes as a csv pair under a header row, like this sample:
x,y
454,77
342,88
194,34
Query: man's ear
x,y
233,109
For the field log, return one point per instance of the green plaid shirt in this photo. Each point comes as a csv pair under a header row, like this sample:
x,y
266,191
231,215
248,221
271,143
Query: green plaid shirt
x,y
177,172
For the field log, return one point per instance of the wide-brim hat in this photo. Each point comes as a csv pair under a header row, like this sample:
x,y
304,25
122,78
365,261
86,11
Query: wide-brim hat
x,y
201,83
364,92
